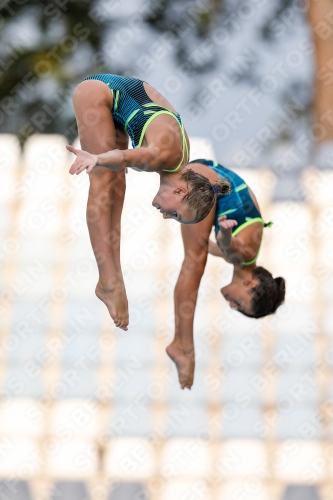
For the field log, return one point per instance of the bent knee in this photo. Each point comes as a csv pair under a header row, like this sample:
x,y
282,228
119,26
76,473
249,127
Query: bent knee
x,y
101,175
92,92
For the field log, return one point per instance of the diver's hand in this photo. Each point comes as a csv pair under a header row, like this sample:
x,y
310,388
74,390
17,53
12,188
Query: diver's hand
x,y
225,223
83,161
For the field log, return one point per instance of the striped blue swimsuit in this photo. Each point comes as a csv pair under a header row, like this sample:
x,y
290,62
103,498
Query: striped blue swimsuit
x,y
134,110
238,205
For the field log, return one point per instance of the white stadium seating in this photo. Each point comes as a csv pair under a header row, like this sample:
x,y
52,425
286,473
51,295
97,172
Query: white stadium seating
x,y
96,413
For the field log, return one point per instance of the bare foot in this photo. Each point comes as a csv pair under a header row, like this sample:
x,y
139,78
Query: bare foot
x,y
115,300
184,361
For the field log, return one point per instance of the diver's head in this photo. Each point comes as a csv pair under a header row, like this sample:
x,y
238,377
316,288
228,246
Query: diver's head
x,y
169,200
256,293
188,198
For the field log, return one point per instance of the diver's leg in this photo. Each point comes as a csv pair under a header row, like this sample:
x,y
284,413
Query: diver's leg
x,y
181,350
119,188
92,102
103,291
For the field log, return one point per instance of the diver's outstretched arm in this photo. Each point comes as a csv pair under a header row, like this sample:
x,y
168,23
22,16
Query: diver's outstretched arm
x,y
150,159
214,249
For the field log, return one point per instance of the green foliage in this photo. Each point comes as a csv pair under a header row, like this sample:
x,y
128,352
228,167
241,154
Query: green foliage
x,y
40,63
48,46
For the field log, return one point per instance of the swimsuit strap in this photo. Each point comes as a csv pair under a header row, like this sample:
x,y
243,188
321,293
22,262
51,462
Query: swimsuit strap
x,y
184,148
164,111
246,224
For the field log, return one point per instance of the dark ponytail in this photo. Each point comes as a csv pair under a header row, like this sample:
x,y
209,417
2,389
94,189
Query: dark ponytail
x,y
202,193
268,295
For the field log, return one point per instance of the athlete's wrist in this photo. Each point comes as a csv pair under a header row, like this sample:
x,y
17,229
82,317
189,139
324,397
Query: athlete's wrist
x,y
96,157
113,160
223,241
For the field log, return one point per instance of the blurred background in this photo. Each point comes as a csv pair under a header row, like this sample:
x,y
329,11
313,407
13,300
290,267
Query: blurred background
x,y
89,412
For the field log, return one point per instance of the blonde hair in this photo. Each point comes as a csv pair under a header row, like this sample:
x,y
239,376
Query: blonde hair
x,y
203,193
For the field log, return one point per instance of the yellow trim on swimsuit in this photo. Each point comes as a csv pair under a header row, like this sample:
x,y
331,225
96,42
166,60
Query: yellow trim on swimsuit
x,y
243,226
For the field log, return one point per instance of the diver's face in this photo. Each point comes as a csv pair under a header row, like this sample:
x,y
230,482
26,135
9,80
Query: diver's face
x,y
239,294
170,203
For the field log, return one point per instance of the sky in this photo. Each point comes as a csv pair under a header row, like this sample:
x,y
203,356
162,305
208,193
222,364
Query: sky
x,y
247,84
250,90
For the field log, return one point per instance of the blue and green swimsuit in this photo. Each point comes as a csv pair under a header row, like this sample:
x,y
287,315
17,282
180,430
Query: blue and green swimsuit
x,y
238,205
134,110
